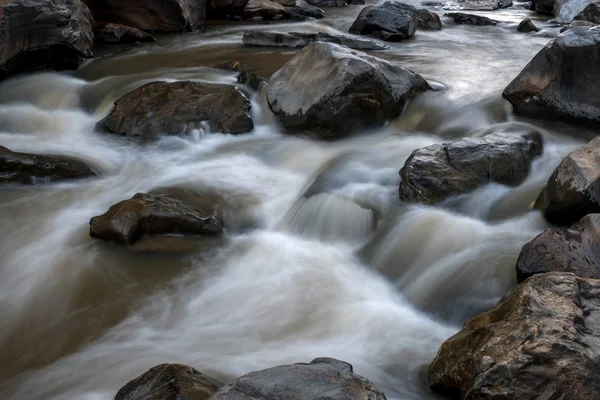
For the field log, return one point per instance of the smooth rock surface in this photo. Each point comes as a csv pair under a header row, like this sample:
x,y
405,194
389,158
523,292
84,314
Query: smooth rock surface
x,y
527,26
437,172
170,382
392,21
429,21
471,19
115,33
575,250
562,79
299,39
40,34
177,107
576,24
321,379
573,190
541,341
350,91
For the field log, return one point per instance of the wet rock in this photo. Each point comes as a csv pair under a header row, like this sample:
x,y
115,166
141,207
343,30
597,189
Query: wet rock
x,y
322,378
161,212
150,15
32,168
349,91
170,382
576,24
174,108
566,10
115,33
252,80
429,21
392,21
437,172
224,8
470,5
573,190
561,80
540,341
265,9
38,35
471,19
543,6
527,26
327,3
299,39
590,14
231,66
307,12
575,250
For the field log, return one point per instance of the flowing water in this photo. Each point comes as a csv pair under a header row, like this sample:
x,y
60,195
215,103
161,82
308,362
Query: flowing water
x,y
324,260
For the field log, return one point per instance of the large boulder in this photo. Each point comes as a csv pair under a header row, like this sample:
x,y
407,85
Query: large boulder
x,y
349,91
576,24
321,379
33,168
170,382
298,39
561,81
590,14
541,341
115,33
160,212
573,190
437,172
472,19
429,21
392,21
575,250
566,10
174,108
150,15
42,34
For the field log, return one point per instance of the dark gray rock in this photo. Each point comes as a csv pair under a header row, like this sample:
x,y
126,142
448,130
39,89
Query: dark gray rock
x,y
170,382
252,80
590,14
349,91
115,33
321,379
470,19
541,341
527,26
576,24
33,168
224,8
437,172
575,250
543,6
392,21
298,39
429,21
306,12
174,108
40,34
561,80
327,3
573,190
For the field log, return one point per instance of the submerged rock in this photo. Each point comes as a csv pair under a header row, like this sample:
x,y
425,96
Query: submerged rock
x,y
540,341
429,21
590,14
170,382
573,190
527,26
562,79
174,108
150,15
115,33
322,378
349,91
33,168
471,19
298,39
392,21
575,250
38,35
437,172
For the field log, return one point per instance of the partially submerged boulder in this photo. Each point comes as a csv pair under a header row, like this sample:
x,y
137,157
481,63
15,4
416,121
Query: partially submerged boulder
x,y
561,81
573,190
392,21
590,14
116,33
527,26
471,19
540,341
174,108
429,21
322,378
575,250
33,168
299,39
349,91
38,35
170,382
437,172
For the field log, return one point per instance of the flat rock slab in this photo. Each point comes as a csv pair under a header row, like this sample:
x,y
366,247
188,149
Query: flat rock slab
x,y
174,108
471,19
321,379
541,341
33,168
297,39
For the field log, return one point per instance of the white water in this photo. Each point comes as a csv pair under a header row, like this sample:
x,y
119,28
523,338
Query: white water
x,y
308,272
